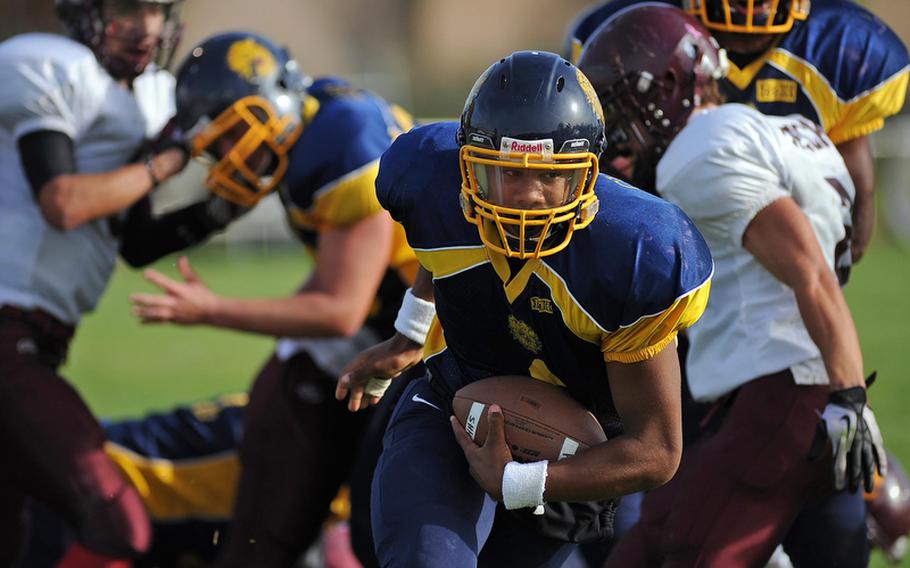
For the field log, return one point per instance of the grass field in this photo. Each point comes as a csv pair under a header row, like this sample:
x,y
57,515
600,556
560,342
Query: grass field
x,y
125,369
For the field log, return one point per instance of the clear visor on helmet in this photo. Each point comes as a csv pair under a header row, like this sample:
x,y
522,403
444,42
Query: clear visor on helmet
x,y
749,16
246,149
527,204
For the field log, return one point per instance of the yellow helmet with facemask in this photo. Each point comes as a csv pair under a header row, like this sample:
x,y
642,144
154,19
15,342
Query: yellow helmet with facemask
x,y
240,101
531,134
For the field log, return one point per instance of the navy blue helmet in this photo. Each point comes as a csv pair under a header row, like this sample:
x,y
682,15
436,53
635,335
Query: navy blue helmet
x,y
534,115
240,100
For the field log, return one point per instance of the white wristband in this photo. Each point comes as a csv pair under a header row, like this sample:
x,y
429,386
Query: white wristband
x,y
523,485
414,317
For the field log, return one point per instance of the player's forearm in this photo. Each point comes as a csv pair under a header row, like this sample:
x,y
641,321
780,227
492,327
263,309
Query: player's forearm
x,y
70,200
309,314
621,466
827,318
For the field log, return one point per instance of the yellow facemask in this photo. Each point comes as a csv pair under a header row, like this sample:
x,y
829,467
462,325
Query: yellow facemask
x,y
532,232
260,141
748,24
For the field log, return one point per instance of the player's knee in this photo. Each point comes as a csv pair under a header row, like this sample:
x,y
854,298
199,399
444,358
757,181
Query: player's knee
x,y
118,526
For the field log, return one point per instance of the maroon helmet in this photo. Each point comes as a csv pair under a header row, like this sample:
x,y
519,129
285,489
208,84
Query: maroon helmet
x,y
650,66
889,512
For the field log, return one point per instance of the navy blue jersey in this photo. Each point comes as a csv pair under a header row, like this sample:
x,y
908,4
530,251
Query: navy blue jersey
x,y
330,179
619,292
843,68
329,182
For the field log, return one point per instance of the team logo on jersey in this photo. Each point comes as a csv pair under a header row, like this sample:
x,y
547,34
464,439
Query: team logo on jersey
x,y
525,335
250,59
775,91
542,305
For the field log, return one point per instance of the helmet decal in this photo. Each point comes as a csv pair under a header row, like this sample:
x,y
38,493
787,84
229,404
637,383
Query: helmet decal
x,y
588,89
250,59
242,99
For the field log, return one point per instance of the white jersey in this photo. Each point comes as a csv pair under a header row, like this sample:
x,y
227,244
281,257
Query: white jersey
x,y
49,82
722,169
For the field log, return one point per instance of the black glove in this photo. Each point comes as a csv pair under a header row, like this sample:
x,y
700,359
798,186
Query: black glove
x,y
855,439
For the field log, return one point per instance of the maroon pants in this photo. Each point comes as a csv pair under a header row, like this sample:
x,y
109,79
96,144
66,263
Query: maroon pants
x,y
54,448
298,447
739,488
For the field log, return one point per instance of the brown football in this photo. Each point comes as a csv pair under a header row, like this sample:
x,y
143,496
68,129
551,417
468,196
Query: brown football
x,y
542,422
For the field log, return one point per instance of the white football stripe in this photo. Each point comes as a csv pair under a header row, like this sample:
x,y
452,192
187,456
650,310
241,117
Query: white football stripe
x,y
569,447
474,418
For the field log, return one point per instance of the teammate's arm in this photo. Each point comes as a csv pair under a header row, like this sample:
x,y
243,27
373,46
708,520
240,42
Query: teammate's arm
x,y
646,455
68,198
385,360
782,240
350,264
857,155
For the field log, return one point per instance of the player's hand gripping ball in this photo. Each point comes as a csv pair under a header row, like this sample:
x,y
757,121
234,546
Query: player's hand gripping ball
x,y
542,422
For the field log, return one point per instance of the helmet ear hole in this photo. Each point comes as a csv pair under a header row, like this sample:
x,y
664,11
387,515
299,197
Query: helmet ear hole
x,y
560,83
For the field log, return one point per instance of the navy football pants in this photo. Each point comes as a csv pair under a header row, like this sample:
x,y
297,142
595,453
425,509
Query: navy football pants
x,y
427,510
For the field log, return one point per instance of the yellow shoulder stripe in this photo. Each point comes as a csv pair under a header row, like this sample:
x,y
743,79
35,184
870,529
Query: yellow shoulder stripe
x,y
867,112
197,488
844,120
343,202
579,321
450,261
649,335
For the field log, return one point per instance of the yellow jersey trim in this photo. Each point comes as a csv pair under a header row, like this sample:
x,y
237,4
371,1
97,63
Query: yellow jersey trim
x,y
435,342
574,316
345,201
742,78
576,50
866,113
541,372
447,262
310,108
844,120
513,285
650,334
201,488
403,258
